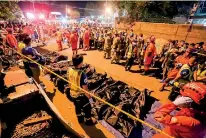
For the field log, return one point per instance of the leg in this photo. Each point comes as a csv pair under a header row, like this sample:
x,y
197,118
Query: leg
x,y
109,53
78,109
36,74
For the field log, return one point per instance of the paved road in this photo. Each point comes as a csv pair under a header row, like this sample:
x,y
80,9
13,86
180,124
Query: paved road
x,y
95,58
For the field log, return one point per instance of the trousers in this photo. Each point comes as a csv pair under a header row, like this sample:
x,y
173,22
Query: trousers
x,y
129,63
82,104
116,57
107,53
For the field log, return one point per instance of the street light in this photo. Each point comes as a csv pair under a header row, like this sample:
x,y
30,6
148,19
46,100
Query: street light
x,y
41,16
68,11
108,10
30,15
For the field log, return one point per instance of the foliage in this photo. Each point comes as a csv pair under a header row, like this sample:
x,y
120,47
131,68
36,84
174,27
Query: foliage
x,y
74,14
10,11
141,10
93,8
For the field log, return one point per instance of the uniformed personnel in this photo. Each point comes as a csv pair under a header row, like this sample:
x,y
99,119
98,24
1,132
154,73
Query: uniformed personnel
x,y
107,46
82,101
116,47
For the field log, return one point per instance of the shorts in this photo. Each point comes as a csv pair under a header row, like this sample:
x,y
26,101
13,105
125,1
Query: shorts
x,y
35,71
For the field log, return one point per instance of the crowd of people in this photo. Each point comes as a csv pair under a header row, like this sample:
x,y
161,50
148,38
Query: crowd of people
x,y
179,64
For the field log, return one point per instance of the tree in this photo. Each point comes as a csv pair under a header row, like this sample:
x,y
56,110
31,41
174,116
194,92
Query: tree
x,y
93,8
74,14
140,10
10,11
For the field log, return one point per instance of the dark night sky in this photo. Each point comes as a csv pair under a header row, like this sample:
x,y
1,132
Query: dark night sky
x,y
59,6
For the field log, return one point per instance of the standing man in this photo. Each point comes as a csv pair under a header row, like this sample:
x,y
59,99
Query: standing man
x,y
82,101
86,38
107,46
149,55
139,47
116,47
74,41
59,39
68,34
11,40
131,53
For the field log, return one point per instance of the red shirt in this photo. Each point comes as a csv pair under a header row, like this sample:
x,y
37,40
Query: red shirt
x,y
11,40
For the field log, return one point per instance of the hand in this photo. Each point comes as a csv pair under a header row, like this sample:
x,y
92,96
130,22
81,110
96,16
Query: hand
x,y
91,102
162,65
172,82
182,101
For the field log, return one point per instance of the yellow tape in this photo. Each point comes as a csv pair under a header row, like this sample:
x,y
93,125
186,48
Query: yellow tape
x,y
105,102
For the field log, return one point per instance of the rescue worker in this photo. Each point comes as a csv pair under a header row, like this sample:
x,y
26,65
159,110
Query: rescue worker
x,y
185,74
59,38
141,60
200,72
140,44
107,46
131,55
149,55
82,101
74,41
86,38
81,44
68,34
116,47
188,122
101,41
11,39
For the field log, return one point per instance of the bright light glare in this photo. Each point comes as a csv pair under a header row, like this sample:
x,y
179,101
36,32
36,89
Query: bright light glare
x,y
41,16
108,10
30,15
64,20
68,10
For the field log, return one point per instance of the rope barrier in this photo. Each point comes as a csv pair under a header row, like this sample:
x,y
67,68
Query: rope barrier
x,y
96,97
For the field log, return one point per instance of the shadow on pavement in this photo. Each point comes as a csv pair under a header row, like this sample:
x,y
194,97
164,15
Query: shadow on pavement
x,y
51,95
93,131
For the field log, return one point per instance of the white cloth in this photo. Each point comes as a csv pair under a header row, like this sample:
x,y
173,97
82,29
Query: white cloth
x,y
181,101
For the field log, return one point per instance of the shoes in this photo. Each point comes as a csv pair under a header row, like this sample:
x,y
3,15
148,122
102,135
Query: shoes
x,y
42,85
90,122
161,89
162,81
144,73
80,119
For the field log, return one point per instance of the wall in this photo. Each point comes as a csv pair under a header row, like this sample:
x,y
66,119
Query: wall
x,y
163,31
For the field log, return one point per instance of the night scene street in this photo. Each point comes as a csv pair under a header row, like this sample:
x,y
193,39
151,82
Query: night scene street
x,y
102,69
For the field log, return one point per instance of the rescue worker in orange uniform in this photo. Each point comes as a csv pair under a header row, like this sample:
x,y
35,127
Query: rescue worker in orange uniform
x,y
74,41
11,40
86,38
149,55
59,39
189,121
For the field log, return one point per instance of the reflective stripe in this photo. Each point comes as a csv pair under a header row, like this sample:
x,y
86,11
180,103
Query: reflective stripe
x,y
74,77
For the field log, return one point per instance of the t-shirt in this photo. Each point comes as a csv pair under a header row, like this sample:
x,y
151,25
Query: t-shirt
x,y
83,80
